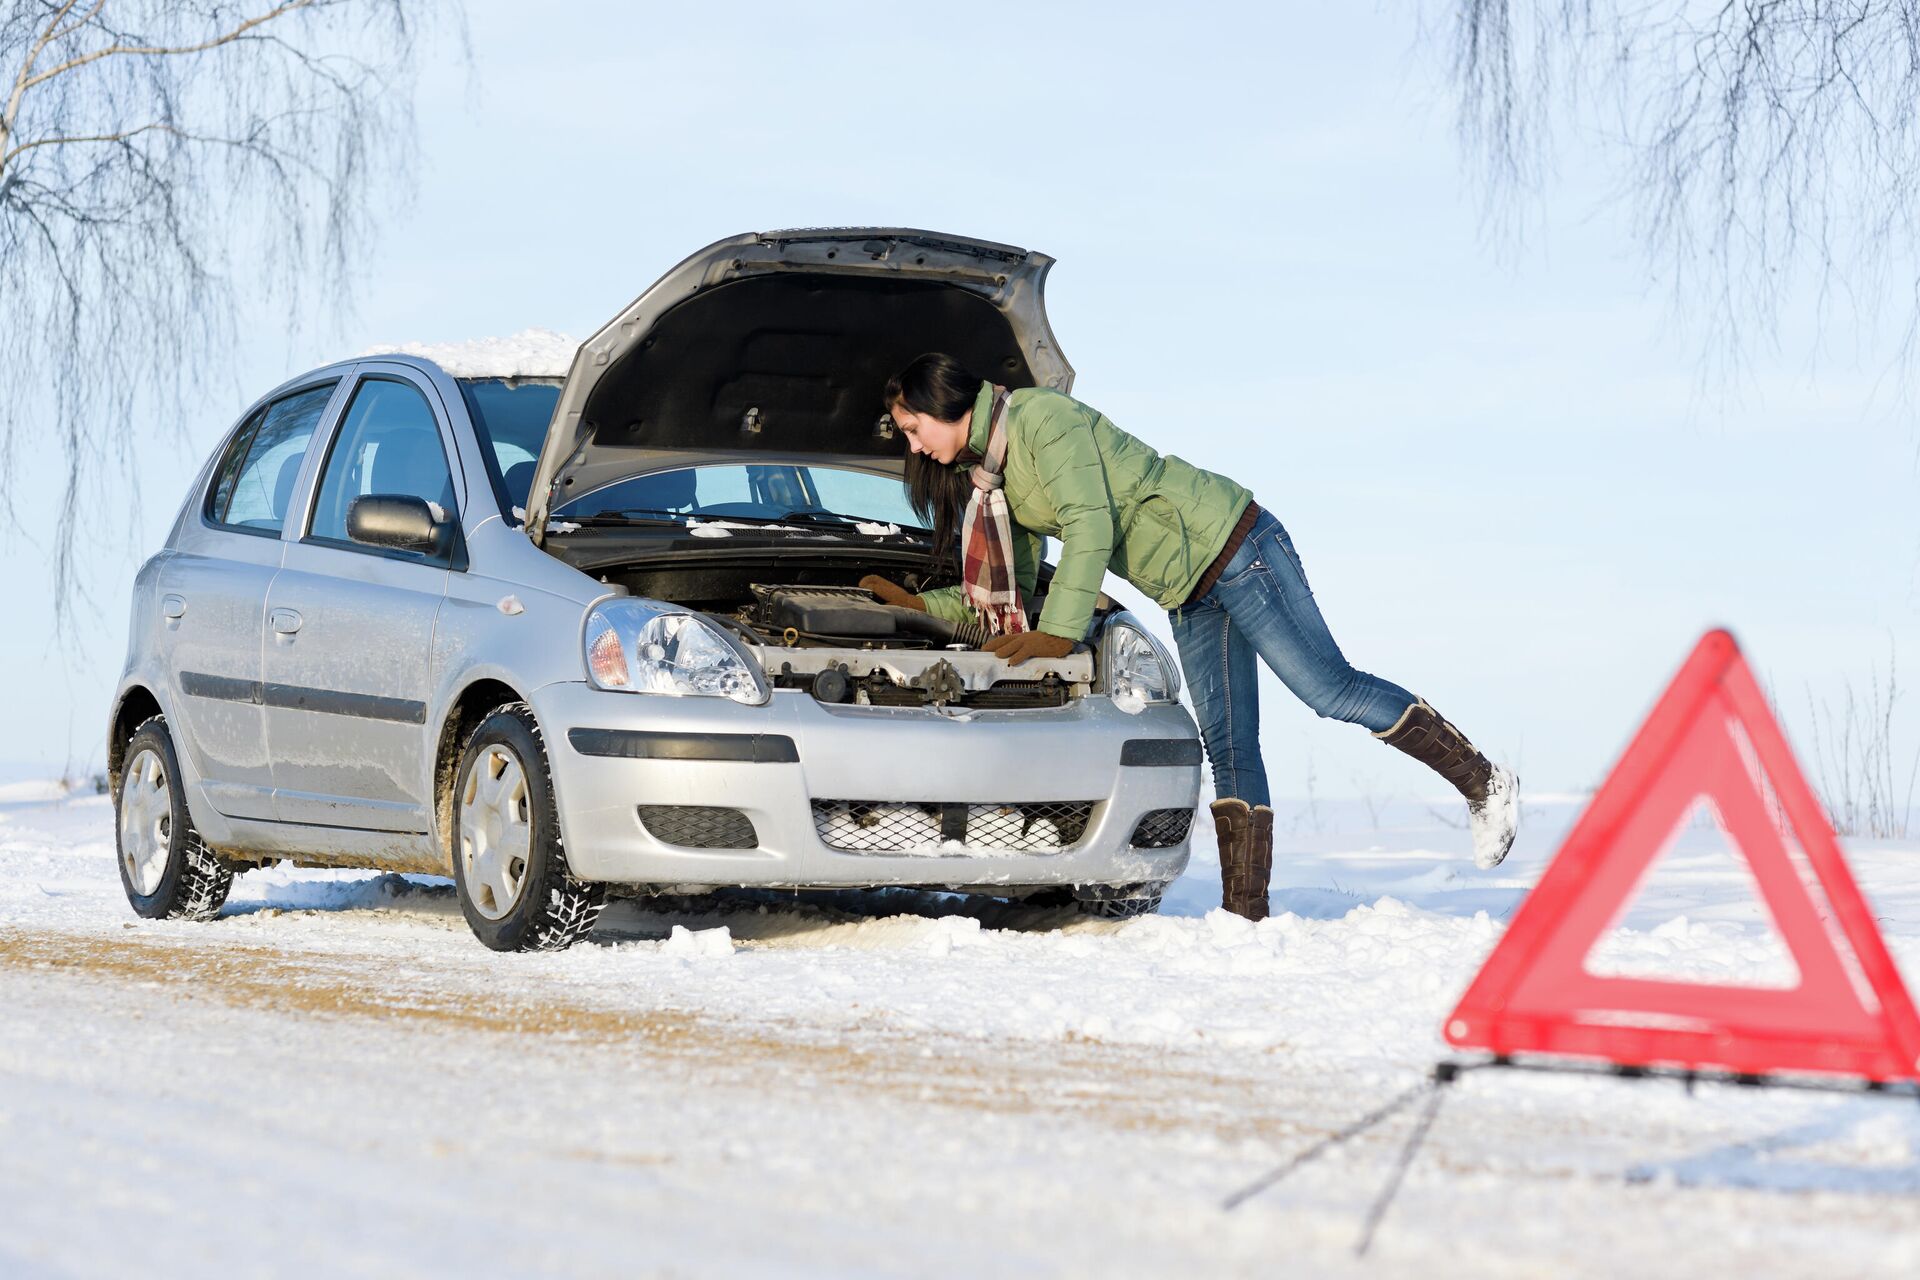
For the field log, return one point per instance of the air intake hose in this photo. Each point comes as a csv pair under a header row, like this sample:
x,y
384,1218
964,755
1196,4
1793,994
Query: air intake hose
x,y
971,634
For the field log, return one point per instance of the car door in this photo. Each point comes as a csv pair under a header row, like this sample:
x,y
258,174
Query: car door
x,y
213,594
347,663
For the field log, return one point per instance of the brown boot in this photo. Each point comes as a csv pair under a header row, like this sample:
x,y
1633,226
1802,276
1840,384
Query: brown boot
x,y
1263,858
1246,856
1492,793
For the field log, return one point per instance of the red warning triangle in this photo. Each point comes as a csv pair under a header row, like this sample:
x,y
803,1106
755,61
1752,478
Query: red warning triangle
x,y
1711,735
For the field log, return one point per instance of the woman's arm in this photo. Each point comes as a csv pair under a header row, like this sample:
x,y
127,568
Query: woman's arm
x,y
946,602
891,592
951,602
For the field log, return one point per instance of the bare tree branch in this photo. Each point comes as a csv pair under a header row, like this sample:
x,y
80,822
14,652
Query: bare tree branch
x,y
73,139
162,51
90,15
1763,147
52,32
160,161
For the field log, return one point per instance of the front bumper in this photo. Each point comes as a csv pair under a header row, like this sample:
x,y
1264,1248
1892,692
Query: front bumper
x,y
1071,753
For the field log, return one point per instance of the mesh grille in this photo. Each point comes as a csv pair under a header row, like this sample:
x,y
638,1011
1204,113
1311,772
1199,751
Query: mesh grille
x,y
1055,825
885,826
695,826
1161,828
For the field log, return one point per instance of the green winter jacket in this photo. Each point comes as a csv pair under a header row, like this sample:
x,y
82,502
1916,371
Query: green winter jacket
x,y
1112,502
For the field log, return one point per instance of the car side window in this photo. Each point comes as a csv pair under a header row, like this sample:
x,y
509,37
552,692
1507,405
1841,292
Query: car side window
x,y
254,485
510,418
388,443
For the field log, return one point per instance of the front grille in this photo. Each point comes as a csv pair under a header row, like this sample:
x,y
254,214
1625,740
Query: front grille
x,y
1008,695
1161,828
694,826
1015,695
890,826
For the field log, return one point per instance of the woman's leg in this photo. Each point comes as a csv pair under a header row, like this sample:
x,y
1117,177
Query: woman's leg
x,y
1225,686
1221,676
1264,591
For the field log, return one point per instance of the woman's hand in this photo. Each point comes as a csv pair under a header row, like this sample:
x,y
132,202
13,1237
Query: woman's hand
x,y
892,593
1016,649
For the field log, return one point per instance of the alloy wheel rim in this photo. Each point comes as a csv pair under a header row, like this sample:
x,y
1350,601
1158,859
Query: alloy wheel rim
x,y
496,831
146,822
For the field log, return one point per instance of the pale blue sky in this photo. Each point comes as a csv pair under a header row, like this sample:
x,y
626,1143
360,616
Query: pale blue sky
x,y
1508,489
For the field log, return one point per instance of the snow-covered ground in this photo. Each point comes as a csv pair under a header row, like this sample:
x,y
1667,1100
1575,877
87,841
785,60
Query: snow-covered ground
x,y
336,1078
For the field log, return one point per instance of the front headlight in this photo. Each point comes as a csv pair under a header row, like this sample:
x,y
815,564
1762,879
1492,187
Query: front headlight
x,y
1138,671
635,647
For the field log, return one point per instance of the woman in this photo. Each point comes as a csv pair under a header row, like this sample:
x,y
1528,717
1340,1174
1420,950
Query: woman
x,y
1197,544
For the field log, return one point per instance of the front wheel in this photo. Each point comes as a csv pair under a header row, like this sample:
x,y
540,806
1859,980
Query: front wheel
x,y
167,872
1118,901
508,863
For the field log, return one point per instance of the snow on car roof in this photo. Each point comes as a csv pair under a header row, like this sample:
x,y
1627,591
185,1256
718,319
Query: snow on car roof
x,y
530,353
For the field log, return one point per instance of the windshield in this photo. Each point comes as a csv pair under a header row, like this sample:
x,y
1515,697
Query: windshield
x,y
510,418
751,491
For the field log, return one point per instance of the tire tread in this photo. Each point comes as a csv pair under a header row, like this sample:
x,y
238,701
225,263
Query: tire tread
x,y
205,877
568,907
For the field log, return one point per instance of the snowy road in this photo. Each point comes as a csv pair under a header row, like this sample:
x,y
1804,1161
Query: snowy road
x,y
335,1077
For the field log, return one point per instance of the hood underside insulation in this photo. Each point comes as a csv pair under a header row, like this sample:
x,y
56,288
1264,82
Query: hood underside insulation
x,y
790,364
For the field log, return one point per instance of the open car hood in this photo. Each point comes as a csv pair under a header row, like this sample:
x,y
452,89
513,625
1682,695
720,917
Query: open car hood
x,y
775,347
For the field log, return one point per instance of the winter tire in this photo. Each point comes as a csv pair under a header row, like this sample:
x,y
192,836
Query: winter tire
x,y
1119,902
167,871
508,863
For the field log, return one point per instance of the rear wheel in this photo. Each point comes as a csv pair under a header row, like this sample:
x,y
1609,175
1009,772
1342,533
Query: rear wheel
x,y
165,868
508,862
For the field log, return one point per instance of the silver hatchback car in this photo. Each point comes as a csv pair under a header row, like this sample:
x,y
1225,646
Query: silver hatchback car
x,y
591,626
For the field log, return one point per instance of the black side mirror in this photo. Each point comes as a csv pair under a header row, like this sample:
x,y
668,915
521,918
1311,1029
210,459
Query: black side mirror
x,y
399,521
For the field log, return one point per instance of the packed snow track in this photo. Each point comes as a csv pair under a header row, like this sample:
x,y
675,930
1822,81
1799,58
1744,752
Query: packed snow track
x,y
332,1078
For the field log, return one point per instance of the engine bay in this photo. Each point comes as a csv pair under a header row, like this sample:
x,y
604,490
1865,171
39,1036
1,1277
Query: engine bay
x,y
844,646
813,630
848,617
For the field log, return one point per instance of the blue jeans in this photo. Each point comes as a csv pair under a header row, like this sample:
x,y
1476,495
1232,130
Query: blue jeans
x,y
1262,604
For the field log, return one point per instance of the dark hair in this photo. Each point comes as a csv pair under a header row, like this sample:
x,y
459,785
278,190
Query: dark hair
x,y
934,384
941,387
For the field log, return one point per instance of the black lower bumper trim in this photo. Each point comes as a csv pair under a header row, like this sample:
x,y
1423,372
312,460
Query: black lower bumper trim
x,y
1161,752
648,744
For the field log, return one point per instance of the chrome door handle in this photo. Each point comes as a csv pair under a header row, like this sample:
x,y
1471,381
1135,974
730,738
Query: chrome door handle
x,y
172,606
285,621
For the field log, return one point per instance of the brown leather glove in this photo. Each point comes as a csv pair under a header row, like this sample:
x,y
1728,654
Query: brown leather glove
x,y
892,593
1016,649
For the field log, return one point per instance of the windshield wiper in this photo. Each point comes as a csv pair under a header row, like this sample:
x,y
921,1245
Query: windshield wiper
x,y
625,515
660,515
814,515
628,515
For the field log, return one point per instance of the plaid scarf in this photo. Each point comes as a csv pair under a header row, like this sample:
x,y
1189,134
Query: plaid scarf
x,y
986,536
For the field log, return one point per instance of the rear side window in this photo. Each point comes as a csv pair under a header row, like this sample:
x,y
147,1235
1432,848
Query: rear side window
x,y
255,484
388,443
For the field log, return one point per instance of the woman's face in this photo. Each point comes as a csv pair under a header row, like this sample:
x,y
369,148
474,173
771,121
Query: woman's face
x,y
941,441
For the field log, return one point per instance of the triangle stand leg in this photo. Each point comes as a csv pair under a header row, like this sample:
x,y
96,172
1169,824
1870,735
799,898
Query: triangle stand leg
x,y
1431,1090
1443,1075
1398,1103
